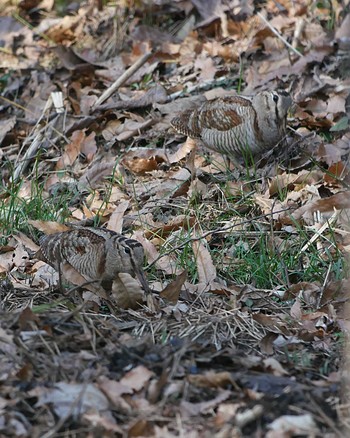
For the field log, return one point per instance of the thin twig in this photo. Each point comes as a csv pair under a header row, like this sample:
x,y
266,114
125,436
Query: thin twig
x,y
203,85
121,80
279,35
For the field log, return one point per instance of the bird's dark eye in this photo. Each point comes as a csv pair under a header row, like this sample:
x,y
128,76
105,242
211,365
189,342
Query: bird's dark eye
x,y
127,250
275,98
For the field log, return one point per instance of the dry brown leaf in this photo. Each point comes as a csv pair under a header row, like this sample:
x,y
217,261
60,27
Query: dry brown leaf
x,y
141,427
221,289
332,153
336,103
65,30
45,276
338,201
276,368
131,128
7,343
48,227
206,66
137,378
6,259
103,422
285,180
26,241
71,151
197,188
266,344
226,412
172,291
205,266
335,173
144,160
92,177
111,129
150,188
308,292
126,292
274,324
115,222
269,206
184,150
295,310
88,147
20,256
26,319
212,379
179,222
293,425
64,397
113,389
5,126
166,263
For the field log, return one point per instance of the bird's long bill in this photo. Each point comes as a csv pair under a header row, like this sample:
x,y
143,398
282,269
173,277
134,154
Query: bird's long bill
x,y
142,279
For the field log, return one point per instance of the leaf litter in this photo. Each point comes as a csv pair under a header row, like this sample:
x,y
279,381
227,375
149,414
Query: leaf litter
x,y
246,331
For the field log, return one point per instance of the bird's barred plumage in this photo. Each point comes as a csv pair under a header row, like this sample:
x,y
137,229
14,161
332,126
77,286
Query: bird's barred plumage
x,y
97,254
237,125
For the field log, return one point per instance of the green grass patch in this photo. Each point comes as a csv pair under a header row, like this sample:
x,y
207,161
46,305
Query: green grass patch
x,y
18,205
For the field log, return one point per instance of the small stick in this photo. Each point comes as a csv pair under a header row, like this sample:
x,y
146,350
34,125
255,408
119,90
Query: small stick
x,y
198,87
279,35
121,80
319,232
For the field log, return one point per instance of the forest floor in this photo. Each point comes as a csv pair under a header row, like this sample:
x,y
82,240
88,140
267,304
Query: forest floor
x,y
245,333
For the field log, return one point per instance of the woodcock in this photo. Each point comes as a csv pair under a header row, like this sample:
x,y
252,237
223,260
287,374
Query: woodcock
x,y
237,126
97,254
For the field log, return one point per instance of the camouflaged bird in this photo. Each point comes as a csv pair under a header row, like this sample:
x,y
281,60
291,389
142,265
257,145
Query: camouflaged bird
x,y
97,254
239,127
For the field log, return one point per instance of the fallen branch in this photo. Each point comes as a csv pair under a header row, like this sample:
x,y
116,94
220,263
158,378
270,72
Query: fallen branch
x,y
121,80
